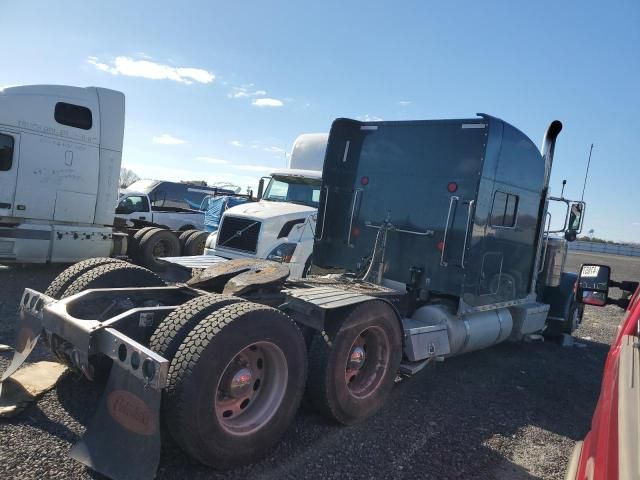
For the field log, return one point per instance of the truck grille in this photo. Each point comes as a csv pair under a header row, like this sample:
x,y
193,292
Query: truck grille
x,y
239,234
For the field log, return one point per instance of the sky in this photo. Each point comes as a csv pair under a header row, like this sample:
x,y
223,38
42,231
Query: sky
x,y
219,90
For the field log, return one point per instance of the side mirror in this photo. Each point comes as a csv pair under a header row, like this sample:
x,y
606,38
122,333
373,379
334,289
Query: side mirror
x,y
570,235
260,188
592,287
122,210
575,216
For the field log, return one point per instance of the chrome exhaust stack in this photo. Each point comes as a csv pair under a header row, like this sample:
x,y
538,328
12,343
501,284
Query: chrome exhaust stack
x,y
548,148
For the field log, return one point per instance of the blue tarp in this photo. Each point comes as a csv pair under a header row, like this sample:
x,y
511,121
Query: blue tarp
x,y
214,207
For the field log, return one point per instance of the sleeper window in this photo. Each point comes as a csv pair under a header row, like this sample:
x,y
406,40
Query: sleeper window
x,y
6,152
73,115
505,210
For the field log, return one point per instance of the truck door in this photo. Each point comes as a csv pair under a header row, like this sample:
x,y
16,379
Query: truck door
x,y
134,207
9,154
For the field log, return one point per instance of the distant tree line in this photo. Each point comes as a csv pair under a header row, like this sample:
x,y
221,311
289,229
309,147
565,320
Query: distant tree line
x,y
586,238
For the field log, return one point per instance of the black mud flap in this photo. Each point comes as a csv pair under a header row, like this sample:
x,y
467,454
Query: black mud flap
x,y
28,332
123,439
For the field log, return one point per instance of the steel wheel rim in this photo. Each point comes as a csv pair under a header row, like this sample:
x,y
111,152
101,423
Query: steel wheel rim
x,y
363,376
251,388
160,249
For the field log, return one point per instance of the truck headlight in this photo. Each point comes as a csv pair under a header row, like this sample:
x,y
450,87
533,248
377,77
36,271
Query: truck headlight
x,y
283,252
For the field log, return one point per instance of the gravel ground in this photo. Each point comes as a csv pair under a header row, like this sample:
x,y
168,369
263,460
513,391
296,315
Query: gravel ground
x,y
512,411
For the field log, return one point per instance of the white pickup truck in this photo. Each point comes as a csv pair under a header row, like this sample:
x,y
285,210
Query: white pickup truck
x,y
170,205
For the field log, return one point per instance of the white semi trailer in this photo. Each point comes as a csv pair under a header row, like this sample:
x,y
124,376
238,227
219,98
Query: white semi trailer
x,y
60,154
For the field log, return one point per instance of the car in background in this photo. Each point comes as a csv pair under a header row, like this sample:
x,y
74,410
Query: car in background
x,y
610,449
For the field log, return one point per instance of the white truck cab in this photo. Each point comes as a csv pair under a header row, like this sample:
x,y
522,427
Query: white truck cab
x,y
282,224
279,227
60,155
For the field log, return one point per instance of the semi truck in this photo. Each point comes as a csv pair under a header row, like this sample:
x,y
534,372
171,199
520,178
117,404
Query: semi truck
x,y
281,225
436,235
60,156
61,153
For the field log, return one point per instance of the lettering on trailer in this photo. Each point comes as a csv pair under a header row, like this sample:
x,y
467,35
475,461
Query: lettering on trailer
x,y
131,412
58,132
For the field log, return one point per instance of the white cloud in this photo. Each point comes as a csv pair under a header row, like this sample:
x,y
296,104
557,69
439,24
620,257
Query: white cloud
x,y
215,161
166,139
236,143
245,92
255,168
267,102
155,71
404,103
274,149
2,87
369,118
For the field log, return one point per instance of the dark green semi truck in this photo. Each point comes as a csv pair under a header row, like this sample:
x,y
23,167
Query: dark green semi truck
x,y
433,238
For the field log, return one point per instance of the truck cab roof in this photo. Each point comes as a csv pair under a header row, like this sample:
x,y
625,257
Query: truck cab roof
x,y
297,172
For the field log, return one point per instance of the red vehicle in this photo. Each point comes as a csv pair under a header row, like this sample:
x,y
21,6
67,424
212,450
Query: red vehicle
x,y
610,449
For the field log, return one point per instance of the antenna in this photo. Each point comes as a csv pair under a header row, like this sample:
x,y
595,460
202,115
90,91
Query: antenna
x,y
586,175
564,182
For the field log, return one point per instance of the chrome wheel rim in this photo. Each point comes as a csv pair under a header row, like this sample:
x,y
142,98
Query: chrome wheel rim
x,y
367,362
251,388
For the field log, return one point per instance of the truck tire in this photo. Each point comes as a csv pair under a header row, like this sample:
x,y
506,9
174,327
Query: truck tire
x,y
570,323
68,276
175,327
156,244
235,384
134,242
186,228
184,236
110,275
114,275
344,384
195,244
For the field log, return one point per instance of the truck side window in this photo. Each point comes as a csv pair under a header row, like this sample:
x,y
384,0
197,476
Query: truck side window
x,y
73,115
505,210
6,152
133,204
158,198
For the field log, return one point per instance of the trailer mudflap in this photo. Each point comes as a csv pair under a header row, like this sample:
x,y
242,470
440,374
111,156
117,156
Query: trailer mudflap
x,y
29,329
123,439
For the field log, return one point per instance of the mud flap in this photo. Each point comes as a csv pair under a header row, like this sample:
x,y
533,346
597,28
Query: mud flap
x,y
123,439
28,333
